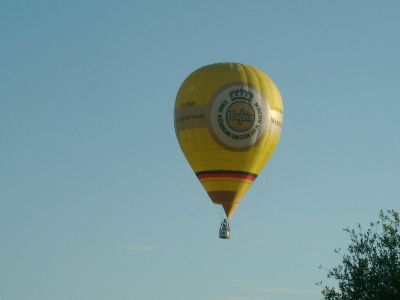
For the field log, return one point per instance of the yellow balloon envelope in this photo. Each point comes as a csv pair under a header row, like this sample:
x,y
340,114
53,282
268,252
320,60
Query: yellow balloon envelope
x,y
228,120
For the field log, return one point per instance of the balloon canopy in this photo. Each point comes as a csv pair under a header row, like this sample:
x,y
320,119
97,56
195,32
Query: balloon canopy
x,y
228,120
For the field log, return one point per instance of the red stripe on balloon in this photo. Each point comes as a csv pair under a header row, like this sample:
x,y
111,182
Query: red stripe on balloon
x,y
247,176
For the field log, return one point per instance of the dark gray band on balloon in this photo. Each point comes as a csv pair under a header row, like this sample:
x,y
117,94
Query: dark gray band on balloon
x,y
194,116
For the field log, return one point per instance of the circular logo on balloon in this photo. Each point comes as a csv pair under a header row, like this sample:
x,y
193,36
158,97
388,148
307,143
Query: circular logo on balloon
x,y
238,117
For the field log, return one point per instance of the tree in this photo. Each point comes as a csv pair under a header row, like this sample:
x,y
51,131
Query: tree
x,y
370,269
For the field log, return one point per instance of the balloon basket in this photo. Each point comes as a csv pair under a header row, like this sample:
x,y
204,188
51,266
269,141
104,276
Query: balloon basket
x,y
225,230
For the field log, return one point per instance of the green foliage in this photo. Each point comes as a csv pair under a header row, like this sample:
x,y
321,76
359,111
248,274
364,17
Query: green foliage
x,y
370,268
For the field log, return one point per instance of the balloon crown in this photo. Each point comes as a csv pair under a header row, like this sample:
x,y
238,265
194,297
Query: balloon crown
x,y
241,94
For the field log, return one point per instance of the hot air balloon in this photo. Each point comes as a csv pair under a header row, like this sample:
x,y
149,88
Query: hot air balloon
x,y
228,120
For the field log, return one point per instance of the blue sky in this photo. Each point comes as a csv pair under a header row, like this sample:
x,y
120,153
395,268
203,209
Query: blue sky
x,y
96,199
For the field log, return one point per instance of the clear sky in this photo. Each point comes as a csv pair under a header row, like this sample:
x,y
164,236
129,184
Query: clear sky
x,y
98,202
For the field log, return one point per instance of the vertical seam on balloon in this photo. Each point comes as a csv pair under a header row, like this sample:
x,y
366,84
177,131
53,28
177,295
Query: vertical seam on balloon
x,y
258,88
